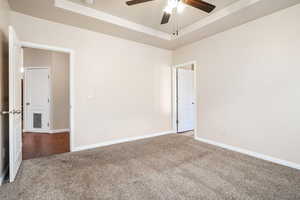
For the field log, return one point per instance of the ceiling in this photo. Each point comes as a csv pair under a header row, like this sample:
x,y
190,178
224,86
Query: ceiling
x,y
141,23
150,13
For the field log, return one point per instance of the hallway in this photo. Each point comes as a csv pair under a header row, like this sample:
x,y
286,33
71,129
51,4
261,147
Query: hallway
x,y
44,144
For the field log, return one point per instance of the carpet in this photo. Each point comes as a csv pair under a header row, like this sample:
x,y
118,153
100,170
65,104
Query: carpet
x,y
166,167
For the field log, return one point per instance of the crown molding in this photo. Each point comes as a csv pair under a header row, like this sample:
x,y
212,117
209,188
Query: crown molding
x,y
235,7
90,12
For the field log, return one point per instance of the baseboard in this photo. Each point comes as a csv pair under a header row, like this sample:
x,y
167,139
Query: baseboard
x,y
59,130
3,175
35,131
251,153
47,131
102,144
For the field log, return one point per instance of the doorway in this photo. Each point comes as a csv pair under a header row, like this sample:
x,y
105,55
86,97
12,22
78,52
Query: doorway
x,y
16,99
184,98
46,103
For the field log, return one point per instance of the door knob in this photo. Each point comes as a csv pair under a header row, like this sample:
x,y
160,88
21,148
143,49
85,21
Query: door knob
x,y
6,112
27,104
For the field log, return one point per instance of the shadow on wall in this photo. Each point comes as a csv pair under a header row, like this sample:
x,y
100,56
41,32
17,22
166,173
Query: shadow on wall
x,y
4,137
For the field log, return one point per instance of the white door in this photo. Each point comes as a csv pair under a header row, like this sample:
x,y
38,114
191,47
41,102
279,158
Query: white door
x,y
15,109
185,100
36,99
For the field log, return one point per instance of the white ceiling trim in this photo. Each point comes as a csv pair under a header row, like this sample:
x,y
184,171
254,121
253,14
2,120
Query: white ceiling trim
x,y
218,15
90,12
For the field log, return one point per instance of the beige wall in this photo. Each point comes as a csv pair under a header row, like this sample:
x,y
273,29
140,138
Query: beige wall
x,y
248,85
37,58
121,88
58,64
60,91
4,21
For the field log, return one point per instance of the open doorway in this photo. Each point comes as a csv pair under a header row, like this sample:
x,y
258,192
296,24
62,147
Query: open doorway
x,y
46,103
184,99
16,102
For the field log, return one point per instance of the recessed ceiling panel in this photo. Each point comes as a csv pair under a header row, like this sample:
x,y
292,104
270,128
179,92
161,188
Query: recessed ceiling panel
x,y
150,13
141,23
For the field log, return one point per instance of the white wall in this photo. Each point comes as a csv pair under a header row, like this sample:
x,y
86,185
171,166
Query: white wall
x,y
4,21
122,88
248,85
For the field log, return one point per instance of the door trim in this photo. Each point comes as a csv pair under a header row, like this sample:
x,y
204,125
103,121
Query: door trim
x,y
25,110
174,95
71,53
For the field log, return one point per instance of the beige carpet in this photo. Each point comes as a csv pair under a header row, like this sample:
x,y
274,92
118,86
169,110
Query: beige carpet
x,y
168,167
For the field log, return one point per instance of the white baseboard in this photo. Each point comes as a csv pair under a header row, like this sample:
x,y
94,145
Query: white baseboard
x,y
35,131
47,131
252,153
102,144
2,175
59,130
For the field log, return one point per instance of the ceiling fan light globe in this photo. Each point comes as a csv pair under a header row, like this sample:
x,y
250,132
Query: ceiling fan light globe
x,y
168,9
172,3
180,7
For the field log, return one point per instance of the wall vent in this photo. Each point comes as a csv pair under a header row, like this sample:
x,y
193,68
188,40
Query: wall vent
x,y
37,120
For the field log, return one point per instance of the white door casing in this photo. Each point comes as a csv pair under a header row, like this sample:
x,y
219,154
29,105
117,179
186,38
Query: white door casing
x,y
71,53
15,109
185,100
37,99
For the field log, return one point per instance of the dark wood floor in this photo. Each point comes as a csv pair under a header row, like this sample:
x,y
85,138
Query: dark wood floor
x,y
44,144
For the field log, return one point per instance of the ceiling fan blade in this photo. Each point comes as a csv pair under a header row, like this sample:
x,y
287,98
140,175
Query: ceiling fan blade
x,y
165,18
202,5
133,2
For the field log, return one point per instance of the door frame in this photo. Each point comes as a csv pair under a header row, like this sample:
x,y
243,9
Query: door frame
x,y
25,110
174,95
71,53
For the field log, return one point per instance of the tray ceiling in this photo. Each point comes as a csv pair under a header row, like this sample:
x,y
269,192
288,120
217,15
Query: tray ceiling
x,y
141,23
150,13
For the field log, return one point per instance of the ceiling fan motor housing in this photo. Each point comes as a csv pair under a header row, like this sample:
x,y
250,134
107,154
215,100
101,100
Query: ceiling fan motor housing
x,y
179,5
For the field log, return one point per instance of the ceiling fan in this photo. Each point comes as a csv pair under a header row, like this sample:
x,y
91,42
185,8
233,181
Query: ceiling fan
x,y
179,5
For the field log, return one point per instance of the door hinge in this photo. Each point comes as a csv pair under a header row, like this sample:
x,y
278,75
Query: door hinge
x,y
48,124
48,100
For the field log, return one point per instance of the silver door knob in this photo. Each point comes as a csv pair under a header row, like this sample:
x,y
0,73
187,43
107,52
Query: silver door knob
x,y
6,112
27,104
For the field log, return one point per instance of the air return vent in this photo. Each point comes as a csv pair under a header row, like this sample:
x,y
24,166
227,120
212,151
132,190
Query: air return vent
x,y
37,120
